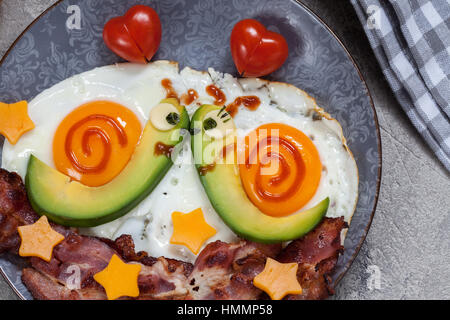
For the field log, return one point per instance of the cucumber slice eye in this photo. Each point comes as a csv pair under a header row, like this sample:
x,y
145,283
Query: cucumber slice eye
x,y
217,124
164,116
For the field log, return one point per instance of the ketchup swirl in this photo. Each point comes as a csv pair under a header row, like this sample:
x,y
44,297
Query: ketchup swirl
x,y
91,131
286,149
282,170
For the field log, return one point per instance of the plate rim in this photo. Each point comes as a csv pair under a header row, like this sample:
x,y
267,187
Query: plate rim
x,y
379,142
363,80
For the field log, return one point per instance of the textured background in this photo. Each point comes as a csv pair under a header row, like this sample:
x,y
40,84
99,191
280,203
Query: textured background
x,y
409,240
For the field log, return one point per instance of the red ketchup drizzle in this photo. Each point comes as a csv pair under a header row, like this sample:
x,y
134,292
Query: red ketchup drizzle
x,y
167,85
250,102
217,94
163,149
189,97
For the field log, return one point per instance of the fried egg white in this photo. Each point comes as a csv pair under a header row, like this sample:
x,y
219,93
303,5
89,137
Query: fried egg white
x,y
139,88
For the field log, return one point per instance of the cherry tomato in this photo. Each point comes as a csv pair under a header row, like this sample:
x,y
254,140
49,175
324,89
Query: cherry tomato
x,y
134,36
257,51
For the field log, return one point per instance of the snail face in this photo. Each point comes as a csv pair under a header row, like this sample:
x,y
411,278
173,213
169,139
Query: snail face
x,y
88,126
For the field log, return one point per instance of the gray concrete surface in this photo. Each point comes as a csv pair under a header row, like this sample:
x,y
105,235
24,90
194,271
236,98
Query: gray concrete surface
x,y
409,242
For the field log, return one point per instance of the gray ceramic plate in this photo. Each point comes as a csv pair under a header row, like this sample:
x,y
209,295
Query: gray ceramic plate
x,y
196,34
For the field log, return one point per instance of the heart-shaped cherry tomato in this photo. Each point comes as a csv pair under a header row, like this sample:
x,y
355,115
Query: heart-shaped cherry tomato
x,y
136,35
257,51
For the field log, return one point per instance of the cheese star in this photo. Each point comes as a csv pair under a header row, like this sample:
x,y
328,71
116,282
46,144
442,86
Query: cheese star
x,y
191,229
278,279
119,279
14,120
38,239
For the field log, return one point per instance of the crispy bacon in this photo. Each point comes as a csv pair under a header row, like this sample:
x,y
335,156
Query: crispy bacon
x,y
316,254
78,258
225,271
124,246
15,210
221,271
43,287
160,278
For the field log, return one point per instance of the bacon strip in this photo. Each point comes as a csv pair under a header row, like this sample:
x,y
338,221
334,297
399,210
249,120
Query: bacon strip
x,y
316,254
221,271
225,271
15,210
159,278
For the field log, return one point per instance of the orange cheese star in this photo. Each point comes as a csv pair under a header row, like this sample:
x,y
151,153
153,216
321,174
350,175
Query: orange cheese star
x,y
38,239
119,279
14,120
191,229
278,279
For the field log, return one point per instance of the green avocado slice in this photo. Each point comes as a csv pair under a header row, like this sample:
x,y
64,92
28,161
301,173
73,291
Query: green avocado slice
x,y
71,203
222,184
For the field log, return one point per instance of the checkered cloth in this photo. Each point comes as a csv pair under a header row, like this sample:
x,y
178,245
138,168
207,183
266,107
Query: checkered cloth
x,y
411,40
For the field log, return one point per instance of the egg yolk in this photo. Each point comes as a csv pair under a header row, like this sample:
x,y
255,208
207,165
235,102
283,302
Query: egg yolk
x,y
282,169
95,142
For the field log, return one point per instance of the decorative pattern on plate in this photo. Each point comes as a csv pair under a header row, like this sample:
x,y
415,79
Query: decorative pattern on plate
x,y
196,34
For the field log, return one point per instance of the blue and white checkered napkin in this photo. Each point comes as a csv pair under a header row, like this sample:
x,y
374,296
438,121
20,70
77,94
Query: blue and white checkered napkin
x,y
411,40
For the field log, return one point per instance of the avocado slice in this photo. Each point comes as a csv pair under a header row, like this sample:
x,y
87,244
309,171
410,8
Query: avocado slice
x,y
222,184
71,203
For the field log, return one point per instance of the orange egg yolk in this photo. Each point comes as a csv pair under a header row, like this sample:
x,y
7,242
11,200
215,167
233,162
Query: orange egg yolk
x,y
282,169
95,142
